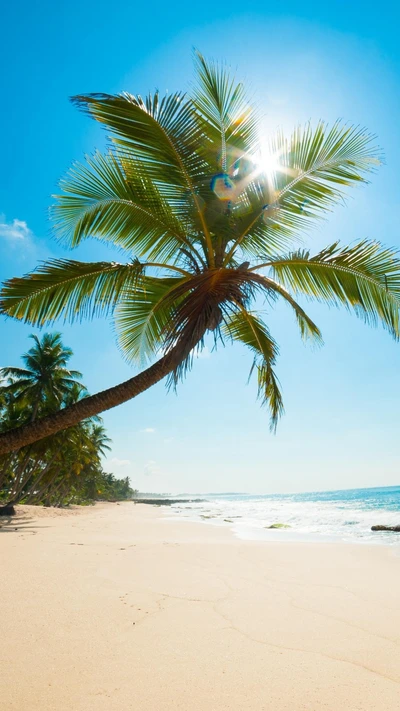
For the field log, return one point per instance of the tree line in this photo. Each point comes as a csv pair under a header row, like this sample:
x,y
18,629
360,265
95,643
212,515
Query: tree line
x,y
65,468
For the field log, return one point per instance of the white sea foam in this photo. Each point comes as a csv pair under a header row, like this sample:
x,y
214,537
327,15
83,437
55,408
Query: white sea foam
x,y
330,515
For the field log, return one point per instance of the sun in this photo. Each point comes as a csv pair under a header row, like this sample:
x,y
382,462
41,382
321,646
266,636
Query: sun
x,y
267,162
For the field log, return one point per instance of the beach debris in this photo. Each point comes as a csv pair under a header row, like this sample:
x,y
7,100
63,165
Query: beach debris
x,y
279,525
386,528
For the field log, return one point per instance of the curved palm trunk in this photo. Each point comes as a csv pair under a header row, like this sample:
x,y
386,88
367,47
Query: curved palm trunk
x,y
22,481
93,405
20,493
46,492
4,469
20,469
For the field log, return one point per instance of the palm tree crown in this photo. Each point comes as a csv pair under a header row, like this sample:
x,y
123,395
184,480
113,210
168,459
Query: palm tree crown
x,y
209,214
45,379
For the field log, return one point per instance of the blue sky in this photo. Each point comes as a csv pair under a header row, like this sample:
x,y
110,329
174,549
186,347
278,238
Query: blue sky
x,y
338,60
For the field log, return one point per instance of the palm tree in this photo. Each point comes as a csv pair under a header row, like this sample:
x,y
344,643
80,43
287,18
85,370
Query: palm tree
x,y
64,466
209,215
43,386
45,378
99,439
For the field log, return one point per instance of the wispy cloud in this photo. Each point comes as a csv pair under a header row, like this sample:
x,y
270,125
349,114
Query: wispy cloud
x,y
168,440
19,244
148,430
14,232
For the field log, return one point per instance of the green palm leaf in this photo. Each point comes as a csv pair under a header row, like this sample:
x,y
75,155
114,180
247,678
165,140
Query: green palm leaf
x,y
259,226
365,277
308,329
143,316
315,164
164,135
228,122
314,167
247,328
101,200
341,153
64,288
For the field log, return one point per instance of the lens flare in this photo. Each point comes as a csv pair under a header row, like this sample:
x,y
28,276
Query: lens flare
x,y
222,186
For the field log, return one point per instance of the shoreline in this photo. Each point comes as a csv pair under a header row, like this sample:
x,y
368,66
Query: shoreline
x,y
255,535
245,535
166,513
116,607
247,532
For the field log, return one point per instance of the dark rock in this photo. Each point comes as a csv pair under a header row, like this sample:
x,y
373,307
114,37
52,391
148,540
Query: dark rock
x,y
278,525
7,510
386,528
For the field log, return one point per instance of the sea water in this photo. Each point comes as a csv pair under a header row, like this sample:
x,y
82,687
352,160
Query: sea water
x,y
328,515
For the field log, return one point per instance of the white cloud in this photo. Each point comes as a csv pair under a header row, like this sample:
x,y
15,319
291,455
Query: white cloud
x,y
148,430
115,462
19,242
14,232
151,468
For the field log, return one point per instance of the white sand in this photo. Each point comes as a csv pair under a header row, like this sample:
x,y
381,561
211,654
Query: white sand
x,y
116,607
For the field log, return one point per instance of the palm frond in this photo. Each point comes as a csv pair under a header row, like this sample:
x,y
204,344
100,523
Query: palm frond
x,y
245,327
259,226
16,386
229,124
164,135
13,372
316,164
308,329
143,315
314,167
114,200
64,288
75,374
364,277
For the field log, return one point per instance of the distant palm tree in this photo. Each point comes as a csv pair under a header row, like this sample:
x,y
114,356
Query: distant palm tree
x,y
45,379
209,214
99,439
67,465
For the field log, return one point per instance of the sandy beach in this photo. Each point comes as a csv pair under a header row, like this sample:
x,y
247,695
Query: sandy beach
x,y
117,607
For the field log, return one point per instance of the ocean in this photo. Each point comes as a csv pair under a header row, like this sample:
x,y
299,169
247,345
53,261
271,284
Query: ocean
x,y
345,515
